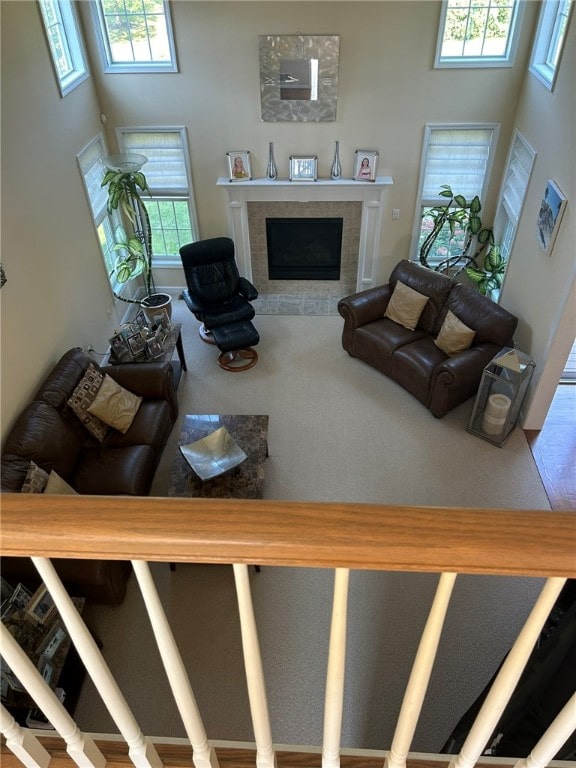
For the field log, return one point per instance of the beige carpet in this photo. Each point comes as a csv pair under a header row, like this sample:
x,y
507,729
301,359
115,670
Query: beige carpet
x,y
339,430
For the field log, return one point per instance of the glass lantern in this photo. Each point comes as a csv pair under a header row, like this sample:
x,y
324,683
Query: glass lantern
x,y
502,390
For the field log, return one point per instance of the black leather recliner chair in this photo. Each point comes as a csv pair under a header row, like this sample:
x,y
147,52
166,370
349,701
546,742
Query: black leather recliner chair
x,y
220,299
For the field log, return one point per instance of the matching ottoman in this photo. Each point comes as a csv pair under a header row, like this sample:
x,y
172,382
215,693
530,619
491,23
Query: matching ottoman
x,y
235,342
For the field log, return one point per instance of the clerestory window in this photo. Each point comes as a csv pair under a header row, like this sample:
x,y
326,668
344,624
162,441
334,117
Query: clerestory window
x,y
478,33
549,40
65,43
135,35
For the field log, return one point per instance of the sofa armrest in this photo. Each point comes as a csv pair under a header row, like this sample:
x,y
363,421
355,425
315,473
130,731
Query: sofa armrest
x,y
458,378
152,381
366,306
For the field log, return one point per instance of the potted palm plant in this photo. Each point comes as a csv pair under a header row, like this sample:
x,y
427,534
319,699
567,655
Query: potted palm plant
x,y
125,182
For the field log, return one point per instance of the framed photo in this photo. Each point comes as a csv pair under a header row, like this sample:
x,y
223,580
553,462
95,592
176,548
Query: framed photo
x,y
161,320
41,606
365,165
303,168
136,344
119,347
154,348
549,216
141,320
52,641
21,597
46,669
239,168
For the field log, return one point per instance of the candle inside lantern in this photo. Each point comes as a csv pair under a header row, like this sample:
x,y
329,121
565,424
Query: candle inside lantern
x,y
495,414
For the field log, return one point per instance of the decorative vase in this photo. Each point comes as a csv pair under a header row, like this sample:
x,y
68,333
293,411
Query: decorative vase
x,y
157,303
271,168
336,170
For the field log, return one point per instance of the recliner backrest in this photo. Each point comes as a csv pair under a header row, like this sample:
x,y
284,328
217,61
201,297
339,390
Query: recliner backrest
x,y
210,269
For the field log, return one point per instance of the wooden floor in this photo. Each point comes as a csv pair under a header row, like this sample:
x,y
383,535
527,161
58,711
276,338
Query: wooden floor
x,y
554,449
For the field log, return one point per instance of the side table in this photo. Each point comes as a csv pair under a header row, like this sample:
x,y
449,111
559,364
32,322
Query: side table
x,y
173,341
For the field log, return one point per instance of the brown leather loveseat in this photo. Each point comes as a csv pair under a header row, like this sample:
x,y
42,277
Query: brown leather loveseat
x,y
48,433
411,357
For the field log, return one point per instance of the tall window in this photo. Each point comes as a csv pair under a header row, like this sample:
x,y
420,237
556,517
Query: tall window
x,y
549,40
461,157
135,35
171,207
513,192
92,171
478,33
65,43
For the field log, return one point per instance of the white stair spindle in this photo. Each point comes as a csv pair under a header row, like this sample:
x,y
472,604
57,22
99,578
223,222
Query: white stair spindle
x,y
22,743
334,699
140,749
80,747
561,728
420,675
507,678
265,755
203,755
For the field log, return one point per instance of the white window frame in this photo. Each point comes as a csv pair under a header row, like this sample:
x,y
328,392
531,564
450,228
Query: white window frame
x,y
463,61
176,190
549,41
67,20
515,181
430,201
92,172
141,67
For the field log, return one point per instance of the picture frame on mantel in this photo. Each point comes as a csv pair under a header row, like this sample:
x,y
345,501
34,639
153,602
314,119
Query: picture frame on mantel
x,y
303,168
549,216
365,163
239,167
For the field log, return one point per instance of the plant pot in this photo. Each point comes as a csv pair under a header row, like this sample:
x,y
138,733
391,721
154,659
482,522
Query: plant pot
x,y
157,303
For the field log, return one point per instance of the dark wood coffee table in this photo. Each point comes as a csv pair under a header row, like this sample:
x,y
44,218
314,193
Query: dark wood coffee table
x,y
245,481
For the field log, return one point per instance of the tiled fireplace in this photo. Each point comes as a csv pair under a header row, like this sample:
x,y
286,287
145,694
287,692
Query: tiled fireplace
x,y
360,204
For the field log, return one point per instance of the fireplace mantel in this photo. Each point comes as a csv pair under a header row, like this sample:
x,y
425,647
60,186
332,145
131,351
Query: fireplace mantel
x,y
370,194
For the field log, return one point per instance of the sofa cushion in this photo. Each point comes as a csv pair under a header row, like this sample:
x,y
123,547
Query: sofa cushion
x,y
40,434
414,366
63,378
115,405
432,284
405,306
82,398
454,336
57,485
115,471
151,426
379,340
491,322
36,479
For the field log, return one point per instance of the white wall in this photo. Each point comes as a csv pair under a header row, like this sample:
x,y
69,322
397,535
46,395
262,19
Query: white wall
x,y
539,288
57,294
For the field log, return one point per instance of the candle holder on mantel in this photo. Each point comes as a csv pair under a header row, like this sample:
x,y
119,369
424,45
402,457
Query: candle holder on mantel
x,y
500,396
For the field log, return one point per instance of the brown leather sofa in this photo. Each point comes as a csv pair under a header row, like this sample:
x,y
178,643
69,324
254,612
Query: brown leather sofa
x,y
410,357
48,433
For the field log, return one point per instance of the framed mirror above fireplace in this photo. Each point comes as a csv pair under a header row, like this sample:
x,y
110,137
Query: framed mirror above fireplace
x,y
298,77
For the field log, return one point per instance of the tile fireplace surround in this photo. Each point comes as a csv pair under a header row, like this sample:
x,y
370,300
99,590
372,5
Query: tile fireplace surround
x,y
360,204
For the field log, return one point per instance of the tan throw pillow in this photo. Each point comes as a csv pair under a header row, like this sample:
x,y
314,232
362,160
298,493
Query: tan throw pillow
x,y
405,306
115,405
56,484
35,480
454,336
83,397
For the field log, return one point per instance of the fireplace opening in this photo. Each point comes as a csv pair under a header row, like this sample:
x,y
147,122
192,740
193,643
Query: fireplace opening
x,y
304,249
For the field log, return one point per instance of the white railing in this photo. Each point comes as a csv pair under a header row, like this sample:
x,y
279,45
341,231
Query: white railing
x,y
93,530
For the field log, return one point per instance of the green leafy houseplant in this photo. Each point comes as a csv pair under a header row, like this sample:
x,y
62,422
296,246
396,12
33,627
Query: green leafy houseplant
x,y
125,184
460,218
490,275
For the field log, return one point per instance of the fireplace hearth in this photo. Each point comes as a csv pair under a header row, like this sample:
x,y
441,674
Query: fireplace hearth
x,y
304,248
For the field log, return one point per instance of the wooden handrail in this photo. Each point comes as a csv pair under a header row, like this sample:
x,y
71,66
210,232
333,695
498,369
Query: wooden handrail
x,y
365,536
